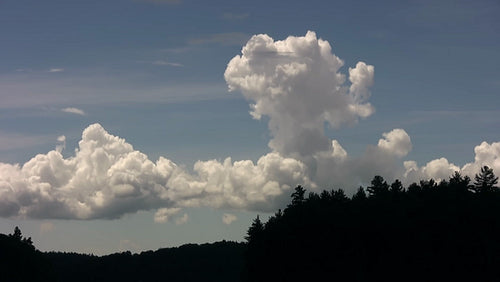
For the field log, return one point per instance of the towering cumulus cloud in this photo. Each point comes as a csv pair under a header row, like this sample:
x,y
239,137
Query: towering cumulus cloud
x,y
296,84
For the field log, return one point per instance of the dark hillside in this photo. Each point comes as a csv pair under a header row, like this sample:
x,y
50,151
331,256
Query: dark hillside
x,y
20,261
220,261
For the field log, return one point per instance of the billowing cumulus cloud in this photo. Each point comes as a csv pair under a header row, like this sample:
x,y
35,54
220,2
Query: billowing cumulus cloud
x,y
108,178
296,85
485,154
296,82
396,142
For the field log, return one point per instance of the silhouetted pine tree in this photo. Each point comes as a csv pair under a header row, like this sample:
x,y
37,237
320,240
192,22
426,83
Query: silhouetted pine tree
x,y
360,195
485,181
298,196
378,187
396,188
255,230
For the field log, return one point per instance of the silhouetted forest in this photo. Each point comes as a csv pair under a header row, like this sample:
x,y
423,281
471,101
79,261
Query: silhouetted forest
x,y
427,231
220,261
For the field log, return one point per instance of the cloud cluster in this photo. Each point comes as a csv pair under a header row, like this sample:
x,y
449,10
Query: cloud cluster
x,y
296,85
485,154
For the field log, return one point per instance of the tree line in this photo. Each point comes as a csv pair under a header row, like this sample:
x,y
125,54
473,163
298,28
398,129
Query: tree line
x,y
428,231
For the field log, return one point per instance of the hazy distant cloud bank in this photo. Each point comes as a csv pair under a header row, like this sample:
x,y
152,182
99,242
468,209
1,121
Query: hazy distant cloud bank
x,y
296,84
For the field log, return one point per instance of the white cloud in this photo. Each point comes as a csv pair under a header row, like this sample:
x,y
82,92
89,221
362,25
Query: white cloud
x,y
164,214
60,147
485,154
228,218
56,70
396,142
297,83
361,78
108,178
72,110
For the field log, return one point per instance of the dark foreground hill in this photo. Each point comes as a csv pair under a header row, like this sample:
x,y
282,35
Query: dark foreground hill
x,y
20,261
220,261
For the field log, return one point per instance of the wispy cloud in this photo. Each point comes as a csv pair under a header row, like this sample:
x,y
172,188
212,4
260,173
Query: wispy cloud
x,y
56,70
164,214
72,110
27,91
235,16
46,227
62,143
228,38
181,220
166,63
228,218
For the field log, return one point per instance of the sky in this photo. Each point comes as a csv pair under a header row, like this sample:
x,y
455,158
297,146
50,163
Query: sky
x,y
142,124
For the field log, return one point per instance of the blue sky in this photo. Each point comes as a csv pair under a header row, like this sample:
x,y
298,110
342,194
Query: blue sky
x,y
152,72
